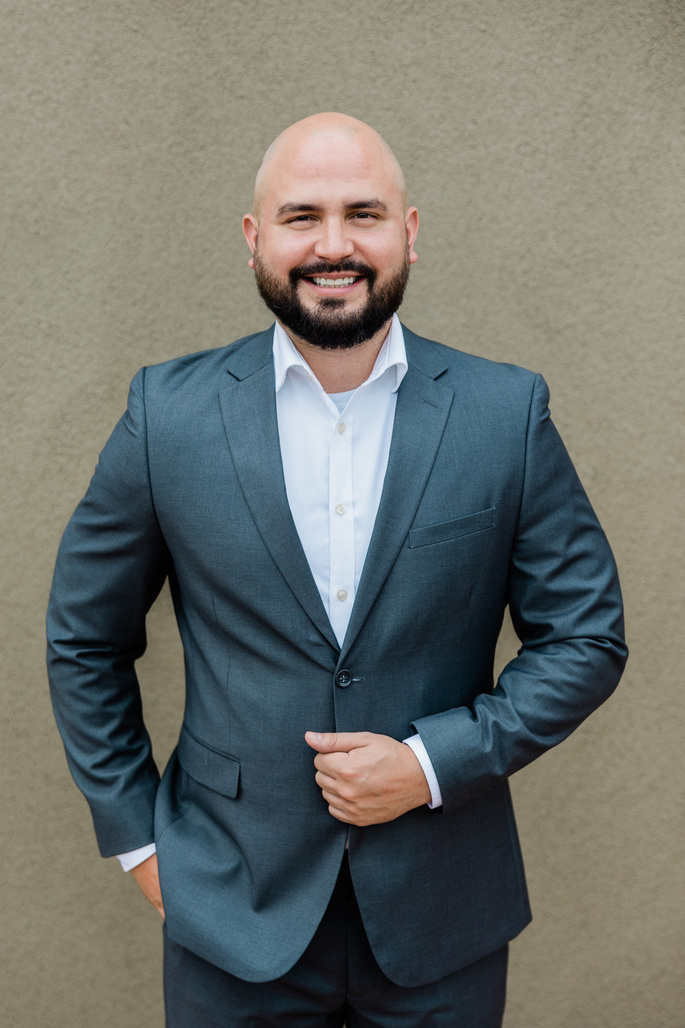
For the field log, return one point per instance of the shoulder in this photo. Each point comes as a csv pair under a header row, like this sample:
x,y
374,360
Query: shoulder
x,y
467,372
252,350
208,368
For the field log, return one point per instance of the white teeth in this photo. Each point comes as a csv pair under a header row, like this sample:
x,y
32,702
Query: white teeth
x,y
328,282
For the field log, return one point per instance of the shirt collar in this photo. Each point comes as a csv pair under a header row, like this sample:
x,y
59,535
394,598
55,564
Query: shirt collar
x,y
392,354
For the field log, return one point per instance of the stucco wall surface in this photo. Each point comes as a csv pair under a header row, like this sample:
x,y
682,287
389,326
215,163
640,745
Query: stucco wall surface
x,y
543,144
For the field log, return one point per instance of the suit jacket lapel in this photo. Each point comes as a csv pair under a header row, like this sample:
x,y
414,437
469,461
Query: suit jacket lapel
x,y
423,405
248,408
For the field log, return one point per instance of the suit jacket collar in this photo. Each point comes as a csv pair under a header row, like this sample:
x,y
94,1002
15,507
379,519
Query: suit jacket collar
x,y
250,354
248,406
423,405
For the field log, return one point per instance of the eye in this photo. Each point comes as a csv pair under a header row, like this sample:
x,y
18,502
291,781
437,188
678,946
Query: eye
x,y
300,222
364,216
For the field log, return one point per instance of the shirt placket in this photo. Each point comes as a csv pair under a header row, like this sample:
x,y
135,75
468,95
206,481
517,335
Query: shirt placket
x,y
341,525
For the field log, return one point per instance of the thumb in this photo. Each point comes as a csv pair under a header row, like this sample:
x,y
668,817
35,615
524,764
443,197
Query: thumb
x,y
335,742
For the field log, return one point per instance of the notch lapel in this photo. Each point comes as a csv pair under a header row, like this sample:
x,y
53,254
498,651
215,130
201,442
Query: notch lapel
x,y
423,405
248,409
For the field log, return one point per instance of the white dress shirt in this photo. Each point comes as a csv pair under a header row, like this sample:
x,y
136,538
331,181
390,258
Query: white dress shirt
x,y
334,464
334,449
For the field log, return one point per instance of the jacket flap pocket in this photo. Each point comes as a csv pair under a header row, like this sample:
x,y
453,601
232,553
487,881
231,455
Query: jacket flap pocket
x,y
216,770
477,522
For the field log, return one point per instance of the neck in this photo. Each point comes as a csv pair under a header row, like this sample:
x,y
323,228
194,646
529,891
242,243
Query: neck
x,y
338,371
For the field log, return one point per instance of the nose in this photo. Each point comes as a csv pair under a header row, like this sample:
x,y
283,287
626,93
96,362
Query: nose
x,y
334,242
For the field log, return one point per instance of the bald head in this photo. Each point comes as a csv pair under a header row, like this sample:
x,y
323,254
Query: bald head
x,y
331,237
310,145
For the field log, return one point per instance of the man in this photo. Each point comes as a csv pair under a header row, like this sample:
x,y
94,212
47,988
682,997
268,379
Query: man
x,y
343,510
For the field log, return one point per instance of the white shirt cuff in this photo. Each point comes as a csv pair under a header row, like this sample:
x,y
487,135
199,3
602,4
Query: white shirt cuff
x,y
424,760
135,857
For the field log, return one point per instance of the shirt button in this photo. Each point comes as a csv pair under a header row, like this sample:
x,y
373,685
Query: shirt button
x,y
342,594
340,509
341,427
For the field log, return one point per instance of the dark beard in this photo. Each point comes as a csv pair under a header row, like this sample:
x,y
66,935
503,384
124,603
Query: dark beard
x,y
330,326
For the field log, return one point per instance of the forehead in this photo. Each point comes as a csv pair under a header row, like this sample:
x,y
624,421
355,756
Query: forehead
x,y
330,168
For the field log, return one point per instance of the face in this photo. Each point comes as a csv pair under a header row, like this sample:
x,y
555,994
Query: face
x,y
332,243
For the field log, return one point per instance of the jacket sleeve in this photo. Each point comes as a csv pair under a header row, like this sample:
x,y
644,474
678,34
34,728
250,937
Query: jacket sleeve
x,y
565,603
111,564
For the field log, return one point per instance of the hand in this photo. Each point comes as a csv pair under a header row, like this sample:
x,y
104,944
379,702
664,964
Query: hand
x,y
147,877
367,779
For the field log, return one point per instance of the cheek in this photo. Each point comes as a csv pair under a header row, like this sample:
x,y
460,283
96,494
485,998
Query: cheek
x,y
386,252
280,254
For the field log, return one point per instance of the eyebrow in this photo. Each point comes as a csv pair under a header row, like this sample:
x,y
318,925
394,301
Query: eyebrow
x,y
306,208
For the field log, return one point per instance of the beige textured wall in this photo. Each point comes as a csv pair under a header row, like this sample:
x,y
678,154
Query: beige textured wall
x,y
543,143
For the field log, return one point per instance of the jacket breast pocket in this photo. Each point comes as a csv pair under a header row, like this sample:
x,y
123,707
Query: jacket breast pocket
x,y
480,521
217,771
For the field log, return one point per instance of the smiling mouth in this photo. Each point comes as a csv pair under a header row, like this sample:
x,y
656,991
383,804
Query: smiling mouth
x,y
334,283
346,276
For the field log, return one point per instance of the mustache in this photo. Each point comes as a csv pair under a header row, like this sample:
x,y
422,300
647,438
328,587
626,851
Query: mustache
x,y
326,268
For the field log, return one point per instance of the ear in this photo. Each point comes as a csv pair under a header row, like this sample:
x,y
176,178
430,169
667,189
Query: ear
x,y
412,223
250,231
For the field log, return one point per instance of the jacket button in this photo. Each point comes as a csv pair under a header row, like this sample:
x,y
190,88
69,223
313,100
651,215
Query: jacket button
x,y
343,678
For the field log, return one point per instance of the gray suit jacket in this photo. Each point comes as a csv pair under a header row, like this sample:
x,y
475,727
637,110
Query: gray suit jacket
x,y
481,508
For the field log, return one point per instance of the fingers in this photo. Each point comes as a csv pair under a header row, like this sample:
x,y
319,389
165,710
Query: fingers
x,y
325,781
146,875
352,816
343,811
345,800
375,780
156,902
345,793
334,765
336,742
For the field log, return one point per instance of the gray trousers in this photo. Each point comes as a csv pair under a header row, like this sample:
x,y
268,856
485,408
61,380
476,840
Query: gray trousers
x,y
336,982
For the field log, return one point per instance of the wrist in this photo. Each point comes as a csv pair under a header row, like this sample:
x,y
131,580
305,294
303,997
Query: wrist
x,y
420,792
416,745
